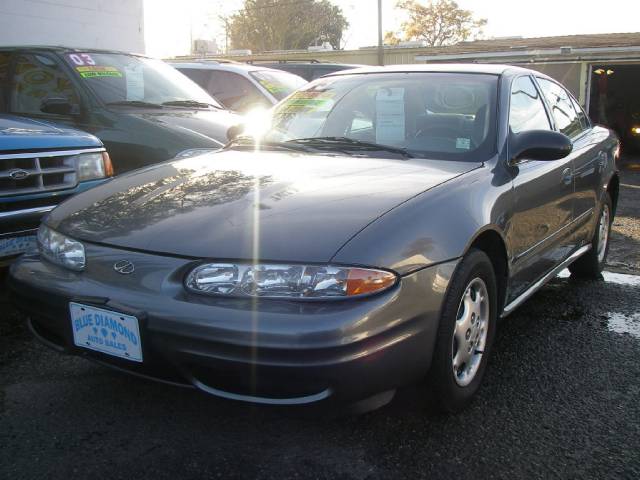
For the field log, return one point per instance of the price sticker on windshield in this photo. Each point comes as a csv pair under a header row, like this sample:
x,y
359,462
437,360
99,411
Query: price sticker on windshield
x,y
81,59
97,71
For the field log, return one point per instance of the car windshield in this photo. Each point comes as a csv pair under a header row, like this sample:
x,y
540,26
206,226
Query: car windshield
x,y
121,79
278,84
437,115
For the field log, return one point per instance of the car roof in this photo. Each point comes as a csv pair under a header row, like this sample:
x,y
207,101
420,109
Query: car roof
x,y
65,49
490,69
205,65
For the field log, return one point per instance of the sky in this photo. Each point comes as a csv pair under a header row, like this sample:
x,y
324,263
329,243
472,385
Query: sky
x,y
169,24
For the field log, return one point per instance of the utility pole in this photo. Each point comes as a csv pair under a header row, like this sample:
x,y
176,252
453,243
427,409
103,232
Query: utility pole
x,y
380,45
225,20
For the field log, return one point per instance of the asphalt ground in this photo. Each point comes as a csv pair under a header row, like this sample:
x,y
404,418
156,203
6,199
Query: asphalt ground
x,y
561,399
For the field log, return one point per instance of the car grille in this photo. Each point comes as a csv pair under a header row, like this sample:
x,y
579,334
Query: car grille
x,y
28,173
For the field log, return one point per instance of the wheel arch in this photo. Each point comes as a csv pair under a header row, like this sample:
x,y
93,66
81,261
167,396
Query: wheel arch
x,y
491,242
613,189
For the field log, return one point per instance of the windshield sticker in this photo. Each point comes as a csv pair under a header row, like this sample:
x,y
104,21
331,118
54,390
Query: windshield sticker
x,y
308,101
135,82
81,59
463,143
390,116
97,71
272,87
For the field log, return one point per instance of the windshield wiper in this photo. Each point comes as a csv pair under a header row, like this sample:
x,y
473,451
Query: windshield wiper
x,y
248,141
189,103
346,143
135,103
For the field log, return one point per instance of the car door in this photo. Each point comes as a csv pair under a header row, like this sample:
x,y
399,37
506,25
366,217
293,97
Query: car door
x,y
543,195
37,80
588,156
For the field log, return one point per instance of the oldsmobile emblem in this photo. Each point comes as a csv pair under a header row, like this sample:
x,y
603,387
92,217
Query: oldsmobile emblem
x,y
125,267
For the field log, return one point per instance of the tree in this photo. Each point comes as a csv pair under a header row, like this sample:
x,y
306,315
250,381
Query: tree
x,y
286,24
440,22
391,38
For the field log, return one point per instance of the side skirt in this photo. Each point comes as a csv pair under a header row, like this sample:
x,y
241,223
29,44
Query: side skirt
x,y
516,302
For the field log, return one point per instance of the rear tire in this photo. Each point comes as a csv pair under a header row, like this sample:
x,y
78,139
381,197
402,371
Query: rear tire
x,y
466,332
591,264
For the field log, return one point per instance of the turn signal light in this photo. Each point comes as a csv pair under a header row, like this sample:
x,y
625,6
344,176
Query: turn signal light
x,y
361,281
108,166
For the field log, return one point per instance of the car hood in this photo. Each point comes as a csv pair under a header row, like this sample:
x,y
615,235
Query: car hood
x,y
241,205
25,134
207,124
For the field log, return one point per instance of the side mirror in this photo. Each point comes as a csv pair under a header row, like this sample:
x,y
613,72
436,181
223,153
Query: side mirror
x,y
56,105
539,145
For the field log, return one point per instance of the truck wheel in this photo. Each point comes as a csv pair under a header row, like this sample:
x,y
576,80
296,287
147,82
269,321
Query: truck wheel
x,y
466,332
590,265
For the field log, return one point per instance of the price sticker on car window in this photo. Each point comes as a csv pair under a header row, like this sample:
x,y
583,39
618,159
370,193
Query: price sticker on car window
x,y
81,59
134,82
390,128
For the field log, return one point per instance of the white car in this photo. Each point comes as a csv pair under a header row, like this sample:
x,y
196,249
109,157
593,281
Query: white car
x,y
240,87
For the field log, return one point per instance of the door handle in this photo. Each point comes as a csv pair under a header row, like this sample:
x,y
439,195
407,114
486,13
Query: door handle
x,y
602,161
567,176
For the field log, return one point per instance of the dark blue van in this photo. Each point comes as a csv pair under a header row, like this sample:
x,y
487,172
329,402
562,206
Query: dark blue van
x,y
41,164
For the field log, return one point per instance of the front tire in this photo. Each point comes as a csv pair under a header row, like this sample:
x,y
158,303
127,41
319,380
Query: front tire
x,y
466,332
591,264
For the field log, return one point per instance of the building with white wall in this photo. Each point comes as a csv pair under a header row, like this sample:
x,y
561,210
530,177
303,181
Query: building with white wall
x,y
107,24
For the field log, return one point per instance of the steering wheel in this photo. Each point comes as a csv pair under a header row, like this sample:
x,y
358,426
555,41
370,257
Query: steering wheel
x,y
442,132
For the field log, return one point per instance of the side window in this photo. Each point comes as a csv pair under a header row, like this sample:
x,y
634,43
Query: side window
x,y
527,109
5,58
234,91
199,76
564,113
37,78
584,120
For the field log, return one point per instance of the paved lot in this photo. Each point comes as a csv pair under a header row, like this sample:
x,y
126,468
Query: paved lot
x,y
561,399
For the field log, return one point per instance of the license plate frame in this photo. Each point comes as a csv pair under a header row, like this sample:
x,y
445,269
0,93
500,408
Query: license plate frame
x,y
17,245
106,331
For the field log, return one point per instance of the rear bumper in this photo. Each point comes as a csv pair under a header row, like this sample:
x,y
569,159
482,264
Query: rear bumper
x,y
269,352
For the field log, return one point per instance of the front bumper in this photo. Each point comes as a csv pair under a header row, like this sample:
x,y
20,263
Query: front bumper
x,y
21,215
263,351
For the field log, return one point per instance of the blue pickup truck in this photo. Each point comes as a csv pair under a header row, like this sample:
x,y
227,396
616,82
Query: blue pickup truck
x,y
41,164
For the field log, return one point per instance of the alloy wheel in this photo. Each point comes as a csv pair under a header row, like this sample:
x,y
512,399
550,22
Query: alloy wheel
x,y
470,333
603,232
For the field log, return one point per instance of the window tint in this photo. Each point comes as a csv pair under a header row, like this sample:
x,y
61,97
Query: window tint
x,y
4,79
564,113
527,109
37,78
436,115
201,77
234,91
584,120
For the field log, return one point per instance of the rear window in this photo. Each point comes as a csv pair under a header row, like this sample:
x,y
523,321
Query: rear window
x,y
278,84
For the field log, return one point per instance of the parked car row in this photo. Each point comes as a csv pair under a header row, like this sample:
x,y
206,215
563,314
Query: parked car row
x,y
367,233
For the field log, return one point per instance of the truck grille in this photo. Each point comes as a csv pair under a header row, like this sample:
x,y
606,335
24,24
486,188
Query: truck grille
x,y
28,173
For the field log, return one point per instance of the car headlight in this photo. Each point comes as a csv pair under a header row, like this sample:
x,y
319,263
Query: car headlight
x,y
194,152
92,166
635,130
287,281
60,249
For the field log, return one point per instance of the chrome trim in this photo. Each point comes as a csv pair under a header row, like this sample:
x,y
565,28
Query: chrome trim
x,y
19,233
54,153
536,286
27,211
263,400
